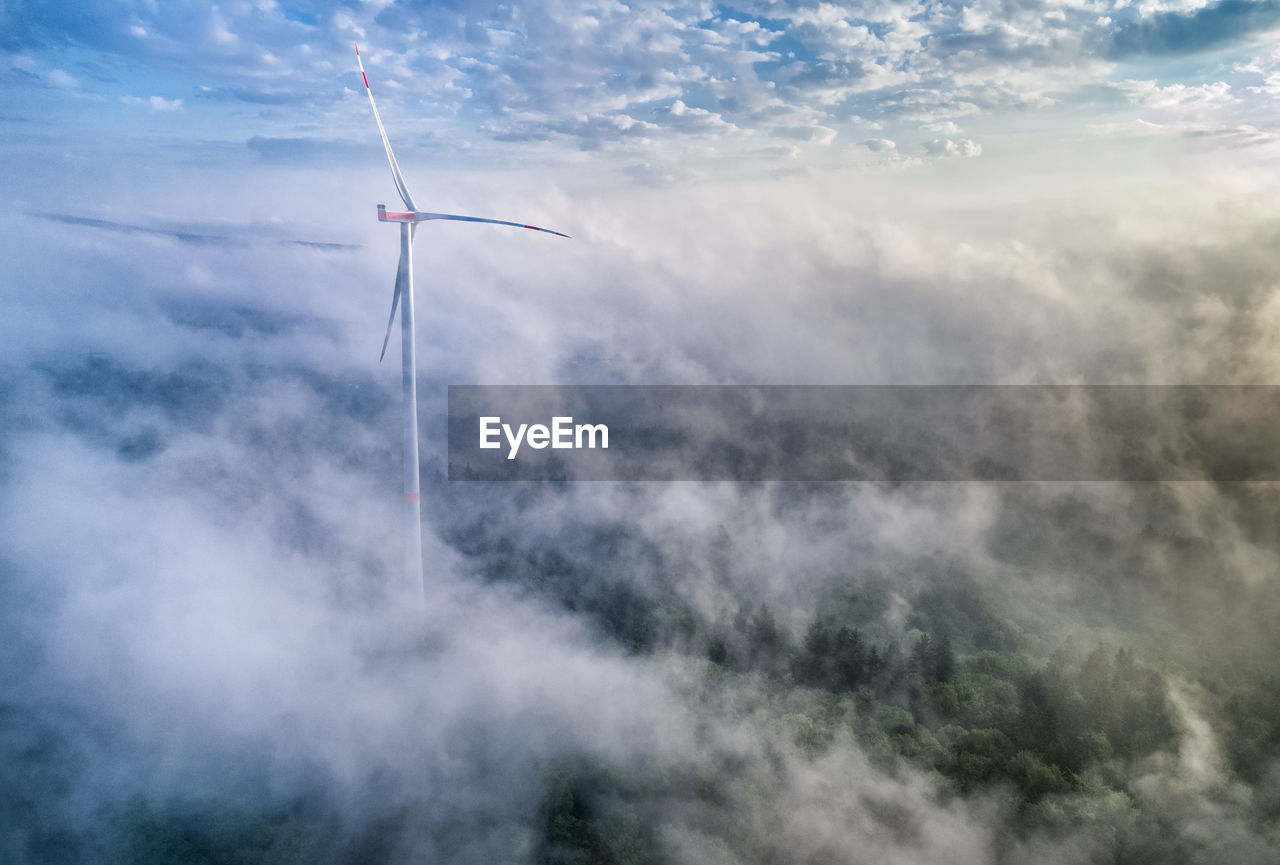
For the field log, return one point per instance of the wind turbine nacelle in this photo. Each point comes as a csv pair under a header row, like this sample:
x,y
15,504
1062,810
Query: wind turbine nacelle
x,y
385,215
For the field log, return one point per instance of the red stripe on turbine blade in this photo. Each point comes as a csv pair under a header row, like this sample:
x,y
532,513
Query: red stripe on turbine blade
x,y
411,498
366,79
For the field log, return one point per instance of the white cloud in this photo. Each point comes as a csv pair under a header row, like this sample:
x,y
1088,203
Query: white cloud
x,y
684,118
946,147
205,611
61,78
219,31
1181,97
482,65
807,132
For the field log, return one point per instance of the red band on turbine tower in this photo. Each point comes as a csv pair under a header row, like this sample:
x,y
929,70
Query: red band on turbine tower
x,y
411,498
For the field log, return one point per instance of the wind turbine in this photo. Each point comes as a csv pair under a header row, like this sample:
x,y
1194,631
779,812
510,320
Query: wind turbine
x,y
409,220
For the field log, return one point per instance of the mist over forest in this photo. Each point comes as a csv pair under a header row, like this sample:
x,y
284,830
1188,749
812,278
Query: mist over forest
x,y
210,655
208,652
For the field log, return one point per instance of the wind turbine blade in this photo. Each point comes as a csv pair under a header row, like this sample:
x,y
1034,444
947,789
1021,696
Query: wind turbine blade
x,y
391,157
422,217
402,275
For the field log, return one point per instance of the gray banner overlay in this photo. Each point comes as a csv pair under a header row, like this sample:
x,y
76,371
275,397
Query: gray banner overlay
x,y
865,432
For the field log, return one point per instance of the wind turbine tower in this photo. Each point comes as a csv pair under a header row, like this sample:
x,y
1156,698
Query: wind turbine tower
x,y
403,295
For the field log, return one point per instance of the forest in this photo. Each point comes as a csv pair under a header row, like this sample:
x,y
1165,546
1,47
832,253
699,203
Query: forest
x,y
210,657
1060,716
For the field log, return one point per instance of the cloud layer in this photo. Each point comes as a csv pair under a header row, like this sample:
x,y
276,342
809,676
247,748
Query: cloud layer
x,y
198,449
678,81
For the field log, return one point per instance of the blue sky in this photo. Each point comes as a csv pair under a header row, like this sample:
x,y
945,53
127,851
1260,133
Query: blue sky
x,y
665,82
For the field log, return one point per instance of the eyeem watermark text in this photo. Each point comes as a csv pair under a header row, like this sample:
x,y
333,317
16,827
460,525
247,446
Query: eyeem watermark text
x,y
562,434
